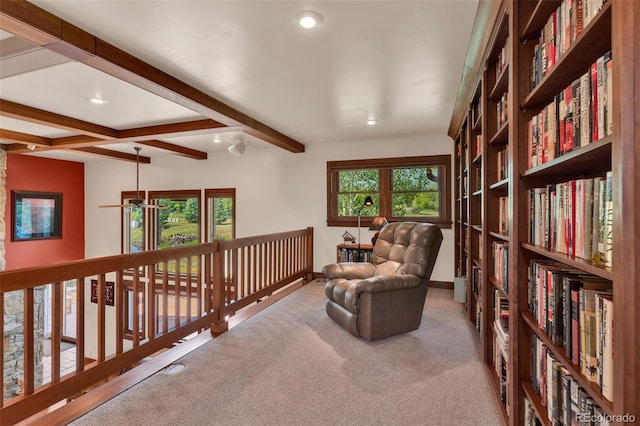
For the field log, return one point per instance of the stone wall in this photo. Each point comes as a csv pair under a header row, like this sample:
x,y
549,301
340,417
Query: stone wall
x,y
14,314
14,340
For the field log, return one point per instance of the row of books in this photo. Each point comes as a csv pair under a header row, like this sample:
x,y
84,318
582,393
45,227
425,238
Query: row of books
x,y
500,252
566,401
503,164
576,311
478,146
574,218
560,31
579,115
501,365
476,282
501,110
503,216
502,59
354,255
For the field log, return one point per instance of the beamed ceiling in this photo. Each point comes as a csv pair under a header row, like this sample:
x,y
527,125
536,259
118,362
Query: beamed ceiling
x,y
177,74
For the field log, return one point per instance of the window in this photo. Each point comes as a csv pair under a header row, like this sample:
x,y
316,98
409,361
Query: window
x,y
402,189
220,214
133,224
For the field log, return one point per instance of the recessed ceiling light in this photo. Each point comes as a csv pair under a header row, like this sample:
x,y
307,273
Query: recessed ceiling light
x,y
98,101
371,121
216,139
308,19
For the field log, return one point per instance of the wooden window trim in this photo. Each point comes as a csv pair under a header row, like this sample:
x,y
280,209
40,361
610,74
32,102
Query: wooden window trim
x,y
219,193
385,165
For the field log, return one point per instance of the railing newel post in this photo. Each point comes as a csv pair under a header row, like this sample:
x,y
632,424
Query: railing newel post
x,y
219,325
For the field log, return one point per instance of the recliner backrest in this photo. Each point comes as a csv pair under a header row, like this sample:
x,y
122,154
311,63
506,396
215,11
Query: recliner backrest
x,y
407,248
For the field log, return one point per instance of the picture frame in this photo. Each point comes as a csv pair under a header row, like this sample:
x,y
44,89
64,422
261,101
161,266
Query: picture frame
x,y
36,215
109,292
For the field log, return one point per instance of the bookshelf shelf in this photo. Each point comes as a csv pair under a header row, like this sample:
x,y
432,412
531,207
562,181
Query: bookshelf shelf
x,y
491,126
594,158
540,410
501,136
584,265
499,236
503,184
501,85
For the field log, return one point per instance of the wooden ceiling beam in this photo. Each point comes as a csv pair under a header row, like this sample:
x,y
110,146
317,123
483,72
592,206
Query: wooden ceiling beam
x,y
34,115
183,128
39,26
24,139
108,153
176,149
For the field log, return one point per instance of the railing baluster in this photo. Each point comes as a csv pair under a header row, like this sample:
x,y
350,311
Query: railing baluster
x,y
165,298
29,326
177,284
151,292
135,309
189,282
80,340
119,295
102,321
57,306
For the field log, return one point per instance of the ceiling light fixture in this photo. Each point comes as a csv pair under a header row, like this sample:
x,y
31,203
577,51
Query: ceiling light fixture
x,y
98,101
216,139
238,149
308,19
371,121
31,147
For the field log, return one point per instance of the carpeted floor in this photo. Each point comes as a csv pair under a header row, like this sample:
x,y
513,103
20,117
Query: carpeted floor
x,y
291,365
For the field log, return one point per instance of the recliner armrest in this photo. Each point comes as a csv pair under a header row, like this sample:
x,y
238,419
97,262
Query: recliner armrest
x,y
382,283
348,270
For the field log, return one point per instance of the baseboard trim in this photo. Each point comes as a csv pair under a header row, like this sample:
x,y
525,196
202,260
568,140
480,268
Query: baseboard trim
x,y
442,284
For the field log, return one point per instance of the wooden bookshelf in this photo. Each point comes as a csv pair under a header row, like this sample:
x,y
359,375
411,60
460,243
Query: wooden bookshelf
x,y
503,75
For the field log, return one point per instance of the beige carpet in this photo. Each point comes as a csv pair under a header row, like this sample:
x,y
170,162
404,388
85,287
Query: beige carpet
x,y
291,365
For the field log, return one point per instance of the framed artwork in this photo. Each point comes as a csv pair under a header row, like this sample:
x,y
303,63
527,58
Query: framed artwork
x,y
35,215
109,292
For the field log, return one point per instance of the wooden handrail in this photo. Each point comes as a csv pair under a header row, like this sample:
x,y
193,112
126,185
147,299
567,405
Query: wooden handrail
x,y
152,305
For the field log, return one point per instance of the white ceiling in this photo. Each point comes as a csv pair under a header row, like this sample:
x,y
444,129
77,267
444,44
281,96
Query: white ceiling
x,y
399,62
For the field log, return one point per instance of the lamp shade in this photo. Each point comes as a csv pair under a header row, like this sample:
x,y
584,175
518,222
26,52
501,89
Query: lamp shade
x,y
378,223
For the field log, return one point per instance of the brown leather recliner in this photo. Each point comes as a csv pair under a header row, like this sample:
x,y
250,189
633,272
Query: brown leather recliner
x,y
385,297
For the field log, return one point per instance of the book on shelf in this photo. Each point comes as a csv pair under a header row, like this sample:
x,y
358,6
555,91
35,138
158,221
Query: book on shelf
x,y
574,218
503,216
577,116
502,112
500,251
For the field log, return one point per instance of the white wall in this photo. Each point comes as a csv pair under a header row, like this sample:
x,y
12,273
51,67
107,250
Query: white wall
x,y
275,191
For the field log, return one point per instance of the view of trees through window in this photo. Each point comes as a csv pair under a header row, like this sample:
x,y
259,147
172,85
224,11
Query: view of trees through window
x,y
415,192
177,225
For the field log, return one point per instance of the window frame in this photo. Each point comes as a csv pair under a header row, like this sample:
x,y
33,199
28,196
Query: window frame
x,y
385,167
218,193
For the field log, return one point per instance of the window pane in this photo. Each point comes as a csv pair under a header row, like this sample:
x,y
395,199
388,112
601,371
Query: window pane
x,y
364,180
416,179
349,204
178,223
134,241
416,204
223,218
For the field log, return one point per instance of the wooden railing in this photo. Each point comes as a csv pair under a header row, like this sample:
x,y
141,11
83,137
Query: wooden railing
x,y
166,295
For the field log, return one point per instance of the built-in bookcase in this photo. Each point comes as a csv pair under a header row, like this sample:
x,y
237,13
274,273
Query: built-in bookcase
x,y
546,209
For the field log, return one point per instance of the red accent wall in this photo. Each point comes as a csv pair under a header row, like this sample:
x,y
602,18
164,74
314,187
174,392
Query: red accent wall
x,y
28,173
